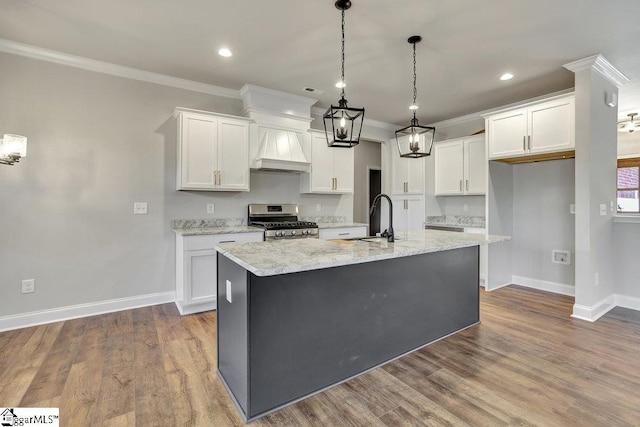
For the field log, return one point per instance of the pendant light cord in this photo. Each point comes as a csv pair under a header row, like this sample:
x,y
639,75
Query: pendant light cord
x,y
415,91
342,76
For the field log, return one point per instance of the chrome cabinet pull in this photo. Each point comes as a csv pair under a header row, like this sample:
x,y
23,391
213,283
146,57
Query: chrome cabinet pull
x,y
343,234
524,143
227,241
529,142
467,185
219,177
336,178
460,186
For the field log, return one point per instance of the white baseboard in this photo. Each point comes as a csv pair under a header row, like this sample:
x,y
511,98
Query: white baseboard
x,y
493,288
83,310
544,285
595,311
624,301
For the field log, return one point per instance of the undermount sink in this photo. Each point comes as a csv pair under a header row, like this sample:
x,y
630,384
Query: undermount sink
x,y
370,239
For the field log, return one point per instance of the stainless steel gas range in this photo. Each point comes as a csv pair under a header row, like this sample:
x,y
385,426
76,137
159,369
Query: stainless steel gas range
x,y
280,221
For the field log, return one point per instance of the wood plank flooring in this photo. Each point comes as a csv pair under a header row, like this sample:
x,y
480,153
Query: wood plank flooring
x,y
527,364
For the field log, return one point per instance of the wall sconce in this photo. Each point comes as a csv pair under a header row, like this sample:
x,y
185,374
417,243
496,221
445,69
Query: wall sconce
x,y
611,99
12,149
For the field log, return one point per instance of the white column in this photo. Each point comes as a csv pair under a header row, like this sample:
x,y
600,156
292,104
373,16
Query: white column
x,y
595,185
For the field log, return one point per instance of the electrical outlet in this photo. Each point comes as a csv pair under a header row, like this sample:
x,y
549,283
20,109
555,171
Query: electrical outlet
x,y
603,209
559,256
318,207
465,207
140,208
229,291
596,279
572,208
211,208
28,286
612,207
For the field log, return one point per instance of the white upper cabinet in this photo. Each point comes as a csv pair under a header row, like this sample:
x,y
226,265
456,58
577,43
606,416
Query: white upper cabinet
x,y
408,174
213,152
460,166
332,169
540,128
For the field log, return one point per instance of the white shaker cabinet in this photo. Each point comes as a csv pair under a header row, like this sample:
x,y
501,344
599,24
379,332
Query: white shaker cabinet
x,y
213,151
408,214
407,174
332,169
196,269
460,166
543,127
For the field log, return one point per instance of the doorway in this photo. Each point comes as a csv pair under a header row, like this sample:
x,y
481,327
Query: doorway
x,y
375,188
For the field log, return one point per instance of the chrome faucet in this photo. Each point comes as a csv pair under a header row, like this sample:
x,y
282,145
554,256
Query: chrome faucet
x,y
388,233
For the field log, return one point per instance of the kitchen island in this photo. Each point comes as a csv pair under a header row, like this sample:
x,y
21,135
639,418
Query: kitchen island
x,y
298,316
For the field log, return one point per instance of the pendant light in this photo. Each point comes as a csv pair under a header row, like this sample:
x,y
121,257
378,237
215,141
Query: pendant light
x,y
415,141
630,125
343,124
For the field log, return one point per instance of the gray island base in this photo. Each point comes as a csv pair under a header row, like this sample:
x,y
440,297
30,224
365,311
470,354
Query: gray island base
x,y
284,337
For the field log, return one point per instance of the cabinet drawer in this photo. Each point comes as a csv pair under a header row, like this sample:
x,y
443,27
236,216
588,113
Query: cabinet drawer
x,y
342,233
209,241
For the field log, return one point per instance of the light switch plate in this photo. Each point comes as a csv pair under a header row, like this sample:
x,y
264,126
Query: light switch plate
x,y
211,208
603,209
28,286
318,207
572,208
140,208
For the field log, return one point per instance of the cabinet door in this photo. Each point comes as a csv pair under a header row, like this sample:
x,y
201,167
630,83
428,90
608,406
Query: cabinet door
x,y
233,154
507,134
475,166
321,164
343,166
408,215
449,168
551,126
200,272
197,152
415,176
408,174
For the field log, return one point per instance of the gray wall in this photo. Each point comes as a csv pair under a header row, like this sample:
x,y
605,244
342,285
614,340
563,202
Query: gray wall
x,y
627,271
97,144
367,154
542,193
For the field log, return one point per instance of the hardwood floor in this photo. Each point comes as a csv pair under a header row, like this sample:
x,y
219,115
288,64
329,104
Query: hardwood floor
x,y
527,364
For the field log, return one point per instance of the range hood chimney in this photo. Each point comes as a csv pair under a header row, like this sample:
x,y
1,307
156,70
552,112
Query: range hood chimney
x,y
279,135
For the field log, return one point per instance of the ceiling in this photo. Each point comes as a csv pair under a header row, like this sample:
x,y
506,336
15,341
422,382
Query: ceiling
x,y
288,45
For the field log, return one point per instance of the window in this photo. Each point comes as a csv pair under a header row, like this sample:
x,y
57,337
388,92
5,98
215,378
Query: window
x,y
629,185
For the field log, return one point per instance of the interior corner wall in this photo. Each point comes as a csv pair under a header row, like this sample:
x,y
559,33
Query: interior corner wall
x,y
542,222
97,144
595,180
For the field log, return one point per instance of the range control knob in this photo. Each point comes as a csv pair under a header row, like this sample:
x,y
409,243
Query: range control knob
x,y
278,233
294,232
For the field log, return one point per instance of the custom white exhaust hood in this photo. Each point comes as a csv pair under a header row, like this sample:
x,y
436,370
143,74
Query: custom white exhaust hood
x,y
279,135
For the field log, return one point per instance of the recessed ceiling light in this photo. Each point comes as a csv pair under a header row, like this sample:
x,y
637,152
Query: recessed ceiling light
x,y
341,84
225,52
506,76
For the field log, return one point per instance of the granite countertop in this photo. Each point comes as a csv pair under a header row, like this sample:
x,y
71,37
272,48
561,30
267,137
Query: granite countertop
x,y
216,230
456,221
341,224
196,227
289,256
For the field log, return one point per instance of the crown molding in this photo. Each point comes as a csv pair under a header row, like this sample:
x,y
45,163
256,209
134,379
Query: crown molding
x,y
599,64
248,89
42,54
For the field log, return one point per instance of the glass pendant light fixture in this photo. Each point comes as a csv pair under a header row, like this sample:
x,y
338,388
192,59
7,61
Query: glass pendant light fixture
x,y
343,124
415,141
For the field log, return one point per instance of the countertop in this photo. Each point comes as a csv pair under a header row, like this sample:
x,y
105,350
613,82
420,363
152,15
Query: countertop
x,y
456,221
290,256
198,231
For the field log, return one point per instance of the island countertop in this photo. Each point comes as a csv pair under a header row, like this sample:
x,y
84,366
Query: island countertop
x,y
290,256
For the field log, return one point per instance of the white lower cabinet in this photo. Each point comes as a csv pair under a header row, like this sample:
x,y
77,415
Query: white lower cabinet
x,y
196,269
342,232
